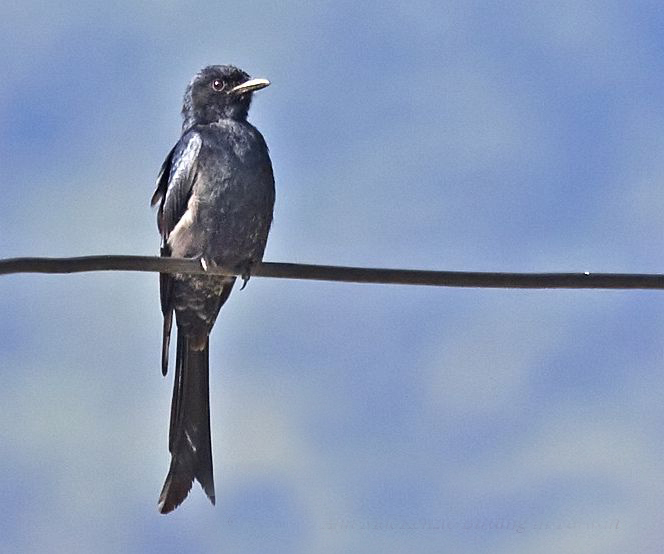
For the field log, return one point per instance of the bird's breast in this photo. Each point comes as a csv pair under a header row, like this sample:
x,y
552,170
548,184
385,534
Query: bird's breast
x,y
234,198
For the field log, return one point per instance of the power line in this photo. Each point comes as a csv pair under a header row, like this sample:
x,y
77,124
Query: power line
x,y
584,280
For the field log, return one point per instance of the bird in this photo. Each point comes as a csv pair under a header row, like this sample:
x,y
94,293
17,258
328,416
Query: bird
x,y
215,196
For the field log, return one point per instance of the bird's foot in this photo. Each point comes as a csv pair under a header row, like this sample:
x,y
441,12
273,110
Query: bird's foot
x,y
245,272
207,263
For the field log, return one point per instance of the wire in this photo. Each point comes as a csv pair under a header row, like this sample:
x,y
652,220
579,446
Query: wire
x,y
585,280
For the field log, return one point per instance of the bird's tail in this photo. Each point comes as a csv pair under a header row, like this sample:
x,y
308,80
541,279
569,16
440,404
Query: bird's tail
x,y
189,436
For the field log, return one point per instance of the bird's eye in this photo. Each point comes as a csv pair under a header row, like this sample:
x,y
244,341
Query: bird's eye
x,y
218,85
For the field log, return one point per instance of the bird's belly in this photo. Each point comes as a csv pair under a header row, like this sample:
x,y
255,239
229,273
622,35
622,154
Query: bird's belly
x,y
235,226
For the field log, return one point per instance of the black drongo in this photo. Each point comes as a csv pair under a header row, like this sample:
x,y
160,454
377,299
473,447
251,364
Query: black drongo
x,y
215,193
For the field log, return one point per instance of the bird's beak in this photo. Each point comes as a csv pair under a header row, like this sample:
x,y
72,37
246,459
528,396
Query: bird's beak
x,y
249,86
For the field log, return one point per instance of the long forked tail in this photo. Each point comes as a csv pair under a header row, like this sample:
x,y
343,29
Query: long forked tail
x,y
189,436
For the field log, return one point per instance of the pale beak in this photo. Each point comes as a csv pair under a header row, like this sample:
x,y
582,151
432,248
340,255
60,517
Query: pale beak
x,y
249,86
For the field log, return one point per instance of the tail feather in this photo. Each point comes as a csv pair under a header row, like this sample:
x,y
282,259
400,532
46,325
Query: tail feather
x,y
166,341
189,438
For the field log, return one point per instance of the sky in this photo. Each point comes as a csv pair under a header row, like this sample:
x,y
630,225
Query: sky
x,y
483,136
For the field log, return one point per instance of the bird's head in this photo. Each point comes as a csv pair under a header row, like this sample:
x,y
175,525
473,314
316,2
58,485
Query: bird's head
x,y
219,92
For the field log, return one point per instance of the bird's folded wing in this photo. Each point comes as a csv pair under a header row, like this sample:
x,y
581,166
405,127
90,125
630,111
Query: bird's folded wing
x,y
175,182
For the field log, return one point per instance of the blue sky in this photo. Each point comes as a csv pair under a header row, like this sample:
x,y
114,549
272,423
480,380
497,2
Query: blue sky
x,y
511,136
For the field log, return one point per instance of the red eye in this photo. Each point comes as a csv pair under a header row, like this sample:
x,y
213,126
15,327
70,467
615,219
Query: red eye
x,y
218,85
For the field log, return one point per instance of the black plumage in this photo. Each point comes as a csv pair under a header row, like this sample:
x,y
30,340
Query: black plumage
x,y
215,193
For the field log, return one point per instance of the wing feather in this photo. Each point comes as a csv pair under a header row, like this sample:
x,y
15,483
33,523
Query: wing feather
x,y
174,191
174,185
